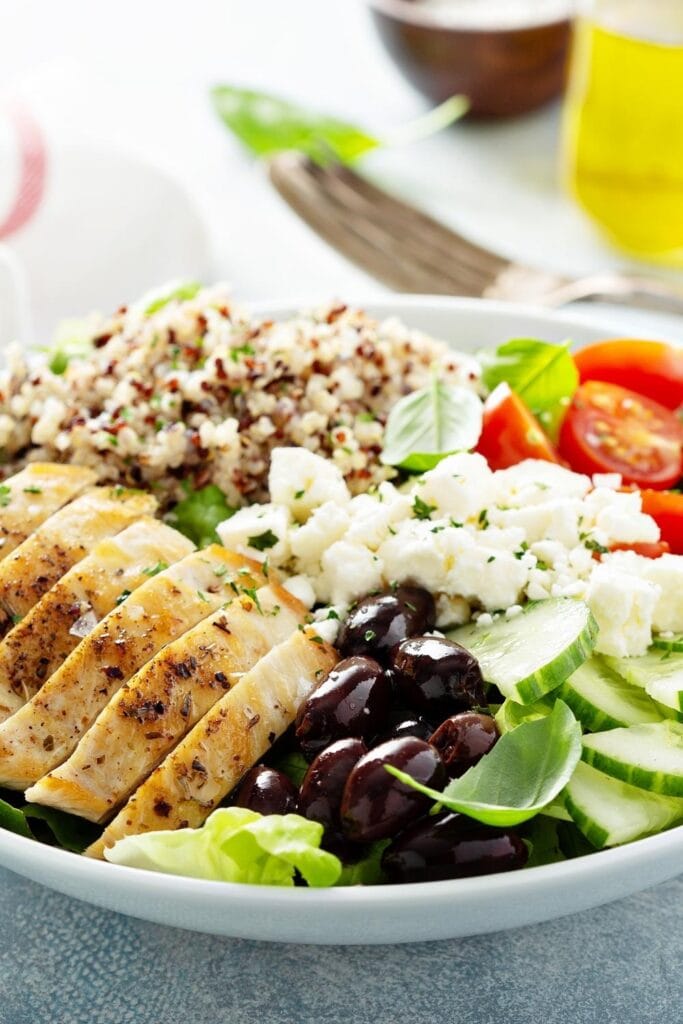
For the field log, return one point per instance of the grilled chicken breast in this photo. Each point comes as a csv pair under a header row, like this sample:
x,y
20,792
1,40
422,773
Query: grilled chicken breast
x,y
61,541
28,498
225,743
44,732
48,633
146,718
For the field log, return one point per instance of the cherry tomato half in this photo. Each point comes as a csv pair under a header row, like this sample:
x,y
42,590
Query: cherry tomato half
x,y
666,508
650,368
608,429
511,433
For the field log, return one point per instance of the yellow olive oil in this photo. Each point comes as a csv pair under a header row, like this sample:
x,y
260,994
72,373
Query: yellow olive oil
x,y
623,126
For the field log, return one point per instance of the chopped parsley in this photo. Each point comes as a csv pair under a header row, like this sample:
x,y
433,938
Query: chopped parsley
x,y
369,635
483,518
421,510
33,490
153,570
299,494
263,541
122,597
241,350
251,592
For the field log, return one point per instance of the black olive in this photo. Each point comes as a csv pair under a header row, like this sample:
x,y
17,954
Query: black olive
x,y
380,622
353,700
375,804
402,722
463,739
267,791
451,846
322,787
437,676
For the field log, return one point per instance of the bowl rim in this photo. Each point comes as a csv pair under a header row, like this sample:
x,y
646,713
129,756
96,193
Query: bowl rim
x,y
412,12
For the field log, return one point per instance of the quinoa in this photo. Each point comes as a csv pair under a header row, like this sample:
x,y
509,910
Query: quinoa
x,y
200,392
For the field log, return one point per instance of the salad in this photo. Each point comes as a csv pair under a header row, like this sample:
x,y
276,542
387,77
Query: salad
x,y
470,663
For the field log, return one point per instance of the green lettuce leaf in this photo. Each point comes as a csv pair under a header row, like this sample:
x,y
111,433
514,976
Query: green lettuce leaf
x,y
198,515
368,870
266,124
542,374
47,824
526,770
236,845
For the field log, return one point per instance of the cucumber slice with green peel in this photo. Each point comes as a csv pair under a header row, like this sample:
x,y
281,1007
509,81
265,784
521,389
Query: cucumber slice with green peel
x,y
659,673
610,812
647,756
601,699
510,714
668,643
533,653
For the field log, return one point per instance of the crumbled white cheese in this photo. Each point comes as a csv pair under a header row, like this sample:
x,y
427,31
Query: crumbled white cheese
x,y
623,606
267,525
303,481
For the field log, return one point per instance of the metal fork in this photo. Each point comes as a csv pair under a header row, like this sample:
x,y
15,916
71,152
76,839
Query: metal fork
x,y
412,252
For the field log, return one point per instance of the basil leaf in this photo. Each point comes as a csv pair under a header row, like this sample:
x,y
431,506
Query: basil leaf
x,y
198,515
526,769
266,125
294,765
427,425
542,374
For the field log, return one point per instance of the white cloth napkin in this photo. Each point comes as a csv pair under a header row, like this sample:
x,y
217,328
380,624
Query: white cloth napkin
x,y
84,223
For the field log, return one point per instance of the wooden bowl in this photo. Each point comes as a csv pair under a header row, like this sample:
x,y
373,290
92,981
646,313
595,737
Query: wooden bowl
x,y
504,72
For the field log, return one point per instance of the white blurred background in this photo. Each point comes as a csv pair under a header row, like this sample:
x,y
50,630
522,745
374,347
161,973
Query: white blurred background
x,y
143,182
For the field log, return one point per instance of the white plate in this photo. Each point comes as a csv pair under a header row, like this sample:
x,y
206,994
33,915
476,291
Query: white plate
x,y
433,910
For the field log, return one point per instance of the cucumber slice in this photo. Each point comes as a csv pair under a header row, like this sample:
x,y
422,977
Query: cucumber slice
x,y
610,812
648,756
659,673
510,714
601,699
532,654
671,643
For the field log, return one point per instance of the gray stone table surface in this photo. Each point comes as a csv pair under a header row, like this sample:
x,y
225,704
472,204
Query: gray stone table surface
x,y
64,962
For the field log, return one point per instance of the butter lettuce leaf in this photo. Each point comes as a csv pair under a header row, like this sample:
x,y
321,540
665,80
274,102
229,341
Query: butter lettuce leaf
x,y
198,515
236,845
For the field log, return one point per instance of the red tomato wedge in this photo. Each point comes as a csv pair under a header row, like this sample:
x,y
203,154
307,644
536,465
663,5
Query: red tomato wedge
x,y
511,433
666,508
608,429
650,368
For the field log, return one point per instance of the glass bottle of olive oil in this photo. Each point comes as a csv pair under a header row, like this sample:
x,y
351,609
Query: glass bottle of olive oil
x,y
623,123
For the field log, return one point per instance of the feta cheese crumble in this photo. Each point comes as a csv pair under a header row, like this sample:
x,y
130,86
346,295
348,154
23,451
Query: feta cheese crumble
x,y
482,542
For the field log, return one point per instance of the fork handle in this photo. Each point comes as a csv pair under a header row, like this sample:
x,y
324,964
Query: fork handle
x,y
627,290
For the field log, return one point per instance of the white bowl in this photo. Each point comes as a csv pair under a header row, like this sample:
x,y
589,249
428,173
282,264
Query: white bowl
x,y
380,914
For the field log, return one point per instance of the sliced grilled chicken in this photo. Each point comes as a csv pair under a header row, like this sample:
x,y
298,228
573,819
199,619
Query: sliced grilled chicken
x,y
42,733
49,632
231,737
147,717
62,540
28,498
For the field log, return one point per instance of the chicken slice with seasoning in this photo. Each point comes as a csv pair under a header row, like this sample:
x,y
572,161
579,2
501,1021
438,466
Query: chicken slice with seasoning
x,y
231,737
149,715
44,732
29,497
48,633
61,541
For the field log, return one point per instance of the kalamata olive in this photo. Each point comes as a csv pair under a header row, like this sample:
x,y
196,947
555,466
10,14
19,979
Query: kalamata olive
x,y
375,804
380,622
353,700
403,722
267,791
437,676
451,846
463,739
321,790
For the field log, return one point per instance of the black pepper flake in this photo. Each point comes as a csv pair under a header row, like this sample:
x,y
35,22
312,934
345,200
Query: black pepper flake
x,y
112,672
49,743
197,766
221,678
186,706
162,808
